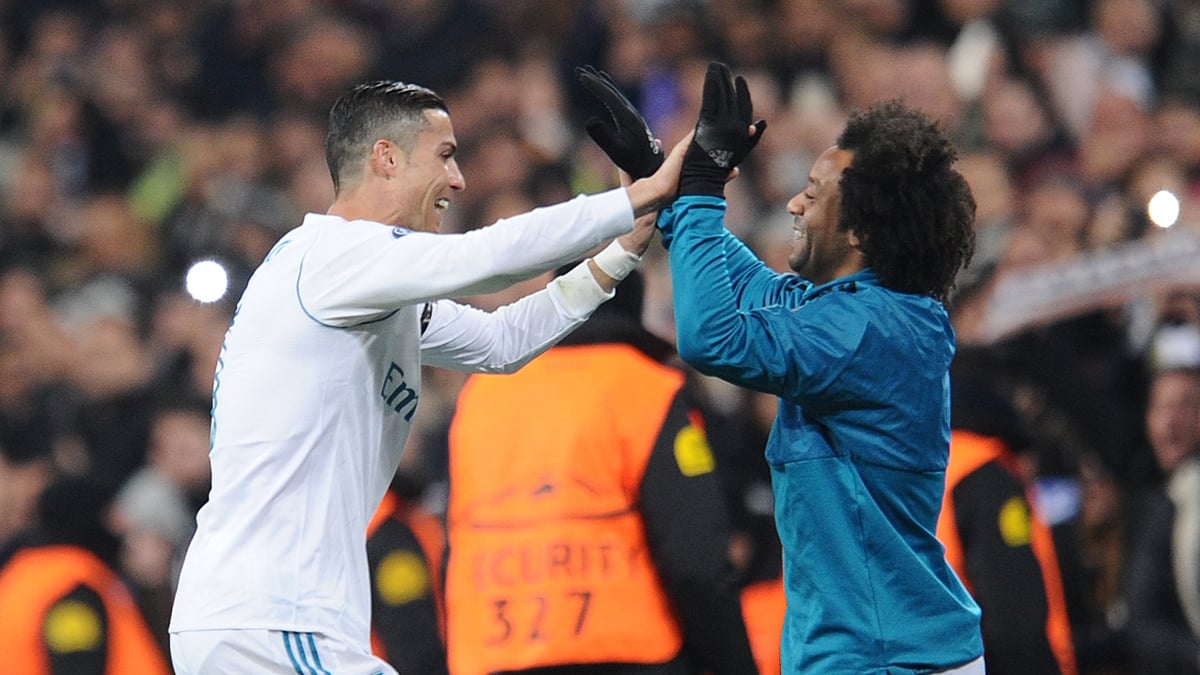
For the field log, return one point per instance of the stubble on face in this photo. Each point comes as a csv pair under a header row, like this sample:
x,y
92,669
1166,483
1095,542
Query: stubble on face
x,y
819,248
431,174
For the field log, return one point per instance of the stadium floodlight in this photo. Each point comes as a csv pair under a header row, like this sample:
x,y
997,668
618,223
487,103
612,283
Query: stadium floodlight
x,y
1163,209
207,281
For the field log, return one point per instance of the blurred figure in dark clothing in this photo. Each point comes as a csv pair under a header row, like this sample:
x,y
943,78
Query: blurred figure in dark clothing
x,y
997,542
405,548
1164,566
63,608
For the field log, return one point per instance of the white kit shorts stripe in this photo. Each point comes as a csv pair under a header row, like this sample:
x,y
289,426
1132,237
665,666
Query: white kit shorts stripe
x,y
271,652
302,650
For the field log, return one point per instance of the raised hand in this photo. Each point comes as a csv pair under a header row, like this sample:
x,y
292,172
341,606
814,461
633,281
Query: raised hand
x,y
625,136
724,133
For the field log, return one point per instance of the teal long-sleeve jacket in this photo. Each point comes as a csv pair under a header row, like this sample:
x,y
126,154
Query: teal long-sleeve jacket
x,y
858,450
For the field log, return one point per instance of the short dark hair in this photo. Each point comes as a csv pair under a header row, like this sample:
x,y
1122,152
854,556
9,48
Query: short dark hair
x,y
913,213
369,112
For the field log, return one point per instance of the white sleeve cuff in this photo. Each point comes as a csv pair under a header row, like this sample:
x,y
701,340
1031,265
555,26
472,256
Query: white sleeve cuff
x,y
577,293
615,261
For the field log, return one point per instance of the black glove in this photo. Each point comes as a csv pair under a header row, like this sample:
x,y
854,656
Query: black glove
x,y
625,137
722,138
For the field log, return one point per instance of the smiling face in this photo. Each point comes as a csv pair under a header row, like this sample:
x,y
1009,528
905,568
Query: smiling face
x,y
820,251
427,177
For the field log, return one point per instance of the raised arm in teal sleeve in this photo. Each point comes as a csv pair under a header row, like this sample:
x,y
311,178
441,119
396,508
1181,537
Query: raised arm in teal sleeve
x,y
739,320
756,285
712,330
753,283
706,317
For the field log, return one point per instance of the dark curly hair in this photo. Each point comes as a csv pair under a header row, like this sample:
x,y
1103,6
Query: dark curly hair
x,y
913,213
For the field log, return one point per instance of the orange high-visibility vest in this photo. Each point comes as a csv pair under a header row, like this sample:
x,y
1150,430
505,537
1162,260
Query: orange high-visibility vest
x,y
968,452
548,559
764,605
37,578
430,536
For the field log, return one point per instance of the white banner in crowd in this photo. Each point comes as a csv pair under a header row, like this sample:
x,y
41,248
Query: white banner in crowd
x,y
1046,293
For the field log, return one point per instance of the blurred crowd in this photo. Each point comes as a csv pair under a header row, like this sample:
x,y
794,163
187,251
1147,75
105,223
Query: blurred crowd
x,y
140,136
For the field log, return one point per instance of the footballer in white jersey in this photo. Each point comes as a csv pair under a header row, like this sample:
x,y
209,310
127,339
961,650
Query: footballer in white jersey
x,y
315,392
320,374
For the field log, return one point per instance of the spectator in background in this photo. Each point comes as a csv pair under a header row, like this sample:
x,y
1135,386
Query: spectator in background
x,y
1174,340
1164,565
1018,123
235,45
1119,134
316,58
412,37
101,304
1094,555
155,509
184,339
111,383
1177,134
63,608
1054,214
405,545
996,210
36,351
997,542
26,468
31,206
1112,57
1180,51
613,504
738,423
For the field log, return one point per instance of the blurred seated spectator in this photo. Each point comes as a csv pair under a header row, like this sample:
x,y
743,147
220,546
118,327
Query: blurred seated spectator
x,y
26,468
155,510
405,545
1093,544
63,608
110,398
996,541
1164,566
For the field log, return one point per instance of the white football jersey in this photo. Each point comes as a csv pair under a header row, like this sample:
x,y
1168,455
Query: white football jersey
x,y
317,384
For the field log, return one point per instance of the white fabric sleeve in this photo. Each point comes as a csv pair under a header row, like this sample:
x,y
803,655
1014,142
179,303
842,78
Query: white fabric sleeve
x,y
460,337
366,270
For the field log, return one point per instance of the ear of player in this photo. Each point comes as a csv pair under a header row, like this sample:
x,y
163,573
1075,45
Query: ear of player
x,y
624,137
723,137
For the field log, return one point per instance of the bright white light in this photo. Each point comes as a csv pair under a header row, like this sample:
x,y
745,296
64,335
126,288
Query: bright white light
x,y
207,281
1163,209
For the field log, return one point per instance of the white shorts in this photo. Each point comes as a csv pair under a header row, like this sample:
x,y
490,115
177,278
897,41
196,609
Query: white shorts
x,y
216,652
975,667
